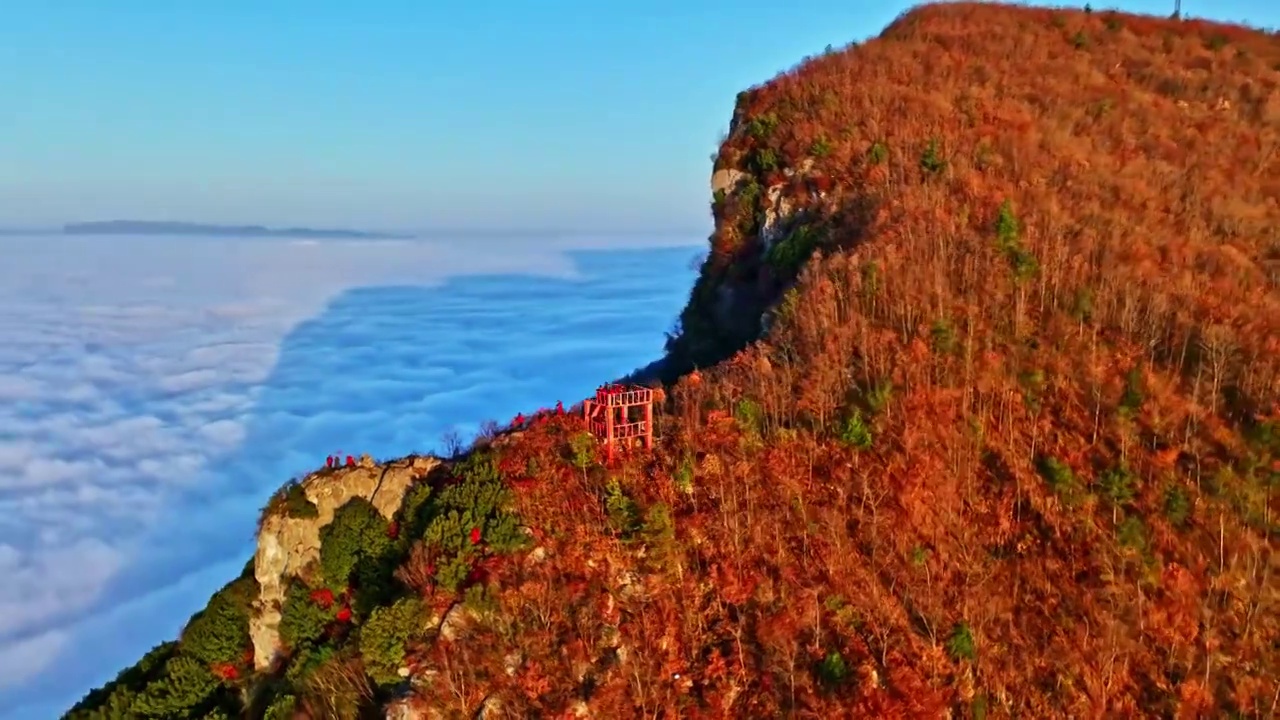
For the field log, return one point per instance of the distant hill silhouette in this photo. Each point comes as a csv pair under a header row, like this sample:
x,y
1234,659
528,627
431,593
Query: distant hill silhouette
x,y
12,231
145,227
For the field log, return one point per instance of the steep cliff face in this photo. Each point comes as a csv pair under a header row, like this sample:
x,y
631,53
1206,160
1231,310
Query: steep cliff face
x,y
288,546
770,211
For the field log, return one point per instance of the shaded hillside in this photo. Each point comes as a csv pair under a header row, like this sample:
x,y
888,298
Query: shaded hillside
x,y
988,423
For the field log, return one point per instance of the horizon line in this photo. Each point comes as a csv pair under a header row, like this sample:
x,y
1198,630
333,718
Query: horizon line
x,y
61,229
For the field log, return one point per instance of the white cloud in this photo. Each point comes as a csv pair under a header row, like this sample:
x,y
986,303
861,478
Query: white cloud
x,y
13,388
25,659
147,410
225,434
57,580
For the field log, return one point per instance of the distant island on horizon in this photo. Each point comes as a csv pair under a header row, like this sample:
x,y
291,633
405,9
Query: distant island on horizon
x,y
148,227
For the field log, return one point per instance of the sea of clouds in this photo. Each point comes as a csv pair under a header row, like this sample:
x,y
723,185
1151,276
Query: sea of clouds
x,y
154,391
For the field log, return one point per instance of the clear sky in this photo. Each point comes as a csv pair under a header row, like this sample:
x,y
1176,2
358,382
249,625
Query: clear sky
x,y
532,114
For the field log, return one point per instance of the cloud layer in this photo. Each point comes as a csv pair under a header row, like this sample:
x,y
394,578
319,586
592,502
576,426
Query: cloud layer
x,y
154,392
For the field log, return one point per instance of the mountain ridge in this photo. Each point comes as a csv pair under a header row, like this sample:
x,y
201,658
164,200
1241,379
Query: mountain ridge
x,y
974,411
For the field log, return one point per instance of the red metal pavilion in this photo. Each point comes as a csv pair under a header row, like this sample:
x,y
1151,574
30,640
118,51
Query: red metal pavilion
x,y
620,415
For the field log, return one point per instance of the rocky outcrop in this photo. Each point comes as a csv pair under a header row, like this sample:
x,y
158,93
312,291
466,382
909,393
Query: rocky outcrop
x,y
764,195
779,214
726,180
456,622
406,709
287,545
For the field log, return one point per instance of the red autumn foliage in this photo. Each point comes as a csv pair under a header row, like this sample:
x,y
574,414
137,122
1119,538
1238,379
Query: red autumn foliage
x,y
477,574
821,184
1011,471
988,458
393,529
521,482
322,597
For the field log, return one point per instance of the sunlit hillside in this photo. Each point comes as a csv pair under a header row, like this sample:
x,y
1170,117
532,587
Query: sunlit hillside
x,y
985,420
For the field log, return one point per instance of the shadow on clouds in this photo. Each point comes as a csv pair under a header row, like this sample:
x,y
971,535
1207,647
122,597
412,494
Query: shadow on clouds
x,y
384,370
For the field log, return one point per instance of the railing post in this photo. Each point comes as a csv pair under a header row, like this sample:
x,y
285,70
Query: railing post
x,y
648,425
608,432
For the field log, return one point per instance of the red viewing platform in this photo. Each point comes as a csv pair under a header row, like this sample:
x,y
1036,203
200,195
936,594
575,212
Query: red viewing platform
x,y
620,414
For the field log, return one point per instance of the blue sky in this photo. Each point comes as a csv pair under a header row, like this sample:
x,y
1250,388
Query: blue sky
x,y
528,114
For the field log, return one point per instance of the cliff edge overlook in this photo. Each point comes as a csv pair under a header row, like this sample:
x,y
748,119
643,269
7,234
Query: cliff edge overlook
x,y
985,422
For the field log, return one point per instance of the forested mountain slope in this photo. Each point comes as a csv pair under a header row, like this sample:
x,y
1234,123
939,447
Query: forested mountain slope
x,y
986,420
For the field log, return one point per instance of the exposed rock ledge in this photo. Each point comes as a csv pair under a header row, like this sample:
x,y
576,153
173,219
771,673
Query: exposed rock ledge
x,y
286,545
